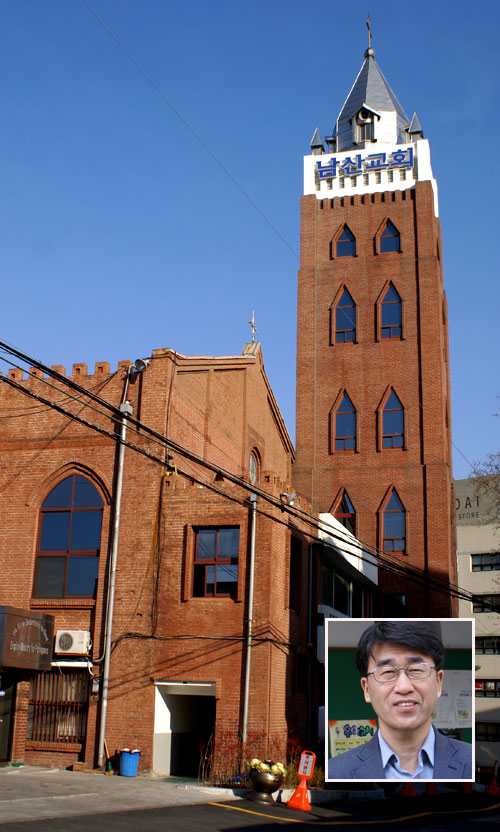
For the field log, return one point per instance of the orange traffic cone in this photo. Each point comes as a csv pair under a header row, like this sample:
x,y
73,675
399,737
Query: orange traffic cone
x,y
493,787
407,790
300,798
468,788
430,787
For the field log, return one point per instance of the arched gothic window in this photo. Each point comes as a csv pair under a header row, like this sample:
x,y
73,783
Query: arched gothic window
x,y
345,425
345,245
69,540
345,319
345,512
393,423
389,239
254,466
394,525
391,314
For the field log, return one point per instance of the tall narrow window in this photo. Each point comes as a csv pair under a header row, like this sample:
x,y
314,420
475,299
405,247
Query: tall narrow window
x,y
345,319
345,245
345,425
394,520
216,562
389,239
341,595
67,562
327,585
393,423
253,467
391,314
296,584
345,513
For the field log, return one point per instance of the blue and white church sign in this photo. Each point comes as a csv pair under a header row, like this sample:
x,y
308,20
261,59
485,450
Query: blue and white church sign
x,y
358,164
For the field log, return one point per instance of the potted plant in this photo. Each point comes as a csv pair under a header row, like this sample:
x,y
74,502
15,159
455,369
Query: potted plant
x,y
266,777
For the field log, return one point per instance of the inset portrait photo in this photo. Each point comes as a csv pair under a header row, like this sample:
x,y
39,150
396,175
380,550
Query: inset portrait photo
x,y
399,699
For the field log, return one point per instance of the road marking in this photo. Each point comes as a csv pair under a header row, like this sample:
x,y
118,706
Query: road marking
x,y
260,814
360,821
49,797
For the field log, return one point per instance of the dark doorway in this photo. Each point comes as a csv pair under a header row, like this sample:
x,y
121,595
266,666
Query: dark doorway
x,y
7,697
192,723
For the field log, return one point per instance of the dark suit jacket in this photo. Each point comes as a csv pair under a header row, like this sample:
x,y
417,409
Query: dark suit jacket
x,y
452,761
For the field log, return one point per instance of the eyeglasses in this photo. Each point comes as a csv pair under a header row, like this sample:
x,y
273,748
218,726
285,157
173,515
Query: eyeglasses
x,y
417,672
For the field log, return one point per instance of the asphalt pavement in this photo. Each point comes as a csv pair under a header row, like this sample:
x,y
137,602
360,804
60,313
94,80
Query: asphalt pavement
x,y
32,793
421,814
35,793
54,800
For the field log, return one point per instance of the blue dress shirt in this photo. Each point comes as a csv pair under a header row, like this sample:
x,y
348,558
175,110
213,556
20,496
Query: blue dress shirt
x,y
392,765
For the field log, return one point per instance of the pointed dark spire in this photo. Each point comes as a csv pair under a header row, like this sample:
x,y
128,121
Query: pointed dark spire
x,y
372,90
415,126
317,145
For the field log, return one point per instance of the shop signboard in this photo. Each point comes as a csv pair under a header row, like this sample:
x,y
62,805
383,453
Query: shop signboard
x,y
26,639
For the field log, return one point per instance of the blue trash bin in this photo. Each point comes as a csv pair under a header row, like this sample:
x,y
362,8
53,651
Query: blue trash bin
x,y
129,763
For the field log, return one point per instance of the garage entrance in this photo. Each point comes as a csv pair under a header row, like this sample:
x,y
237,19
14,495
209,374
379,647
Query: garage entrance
x,y
184,723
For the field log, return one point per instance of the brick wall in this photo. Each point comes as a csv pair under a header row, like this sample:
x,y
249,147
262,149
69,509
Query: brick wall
x,y
416,366
221,409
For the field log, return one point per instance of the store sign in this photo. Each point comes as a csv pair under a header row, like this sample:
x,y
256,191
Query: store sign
x,y
355,165
475,502
26,639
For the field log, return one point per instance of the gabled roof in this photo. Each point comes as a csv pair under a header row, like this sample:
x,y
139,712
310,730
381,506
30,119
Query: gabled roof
x,y
372,89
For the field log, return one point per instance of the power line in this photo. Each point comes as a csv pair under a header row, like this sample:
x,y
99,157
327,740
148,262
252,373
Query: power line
x,y
404,571
140,429
462,455
186,124
165,442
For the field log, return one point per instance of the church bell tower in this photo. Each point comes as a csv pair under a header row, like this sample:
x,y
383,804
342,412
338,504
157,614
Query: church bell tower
x,y
373,390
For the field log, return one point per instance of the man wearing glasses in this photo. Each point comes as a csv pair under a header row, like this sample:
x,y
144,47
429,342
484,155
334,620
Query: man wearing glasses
x,y
401,675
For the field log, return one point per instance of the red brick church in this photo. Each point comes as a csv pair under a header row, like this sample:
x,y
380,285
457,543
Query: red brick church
x,y
190,541
164,582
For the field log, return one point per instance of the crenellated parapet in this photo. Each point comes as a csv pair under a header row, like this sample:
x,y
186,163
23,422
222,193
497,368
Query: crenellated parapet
x,y
374,198
79,371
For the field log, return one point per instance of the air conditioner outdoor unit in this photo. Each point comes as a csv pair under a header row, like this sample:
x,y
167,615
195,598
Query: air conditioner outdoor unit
x,y
75,642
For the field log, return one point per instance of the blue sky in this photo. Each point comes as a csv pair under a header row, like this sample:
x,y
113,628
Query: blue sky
x,y
121,234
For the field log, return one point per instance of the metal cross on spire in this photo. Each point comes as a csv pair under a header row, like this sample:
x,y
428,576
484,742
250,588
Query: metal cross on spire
x,y
252,325
369,27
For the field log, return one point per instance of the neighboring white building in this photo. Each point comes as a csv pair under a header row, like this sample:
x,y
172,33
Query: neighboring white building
x,y
349,576
478,555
